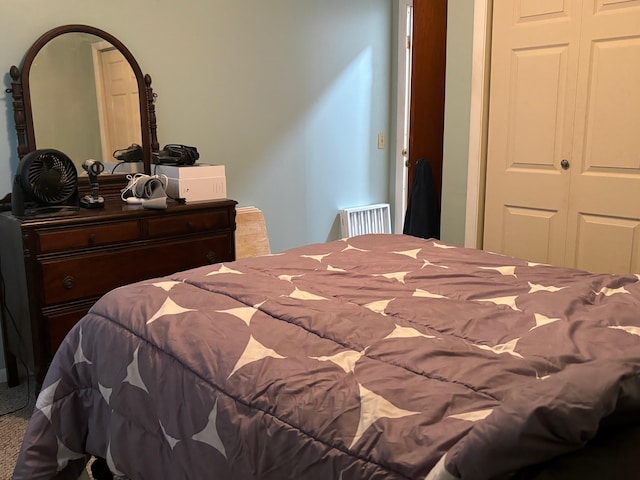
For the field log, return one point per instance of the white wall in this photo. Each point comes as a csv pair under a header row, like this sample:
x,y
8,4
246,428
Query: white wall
x,y
288,94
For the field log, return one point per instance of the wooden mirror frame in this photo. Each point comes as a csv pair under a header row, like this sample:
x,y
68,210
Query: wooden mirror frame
x,y
23,113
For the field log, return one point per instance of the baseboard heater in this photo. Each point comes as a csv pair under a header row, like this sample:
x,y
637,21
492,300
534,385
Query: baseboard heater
x,y
367,219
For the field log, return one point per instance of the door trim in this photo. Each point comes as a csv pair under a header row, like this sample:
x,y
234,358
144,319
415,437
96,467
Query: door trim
x,y
403,105
97,48
478,123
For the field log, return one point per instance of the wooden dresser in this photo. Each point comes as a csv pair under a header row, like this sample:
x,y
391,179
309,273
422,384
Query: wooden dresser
x,y
55,267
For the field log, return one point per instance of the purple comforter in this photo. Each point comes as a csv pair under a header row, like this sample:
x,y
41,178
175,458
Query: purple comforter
x,y
365,358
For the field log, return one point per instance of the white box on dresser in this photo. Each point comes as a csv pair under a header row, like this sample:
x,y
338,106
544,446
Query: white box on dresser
x,y
195,183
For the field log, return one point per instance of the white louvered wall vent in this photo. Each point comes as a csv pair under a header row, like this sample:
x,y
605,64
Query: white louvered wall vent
x,y
369,219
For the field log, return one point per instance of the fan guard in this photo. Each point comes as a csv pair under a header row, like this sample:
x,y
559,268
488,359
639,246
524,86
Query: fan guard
x,y
45,178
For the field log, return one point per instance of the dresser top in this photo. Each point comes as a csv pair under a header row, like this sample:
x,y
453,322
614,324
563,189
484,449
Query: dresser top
x,y
114,209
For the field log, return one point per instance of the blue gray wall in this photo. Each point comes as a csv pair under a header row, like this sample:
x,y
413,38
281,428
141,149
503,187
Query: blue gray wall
x,y
288,94
457,120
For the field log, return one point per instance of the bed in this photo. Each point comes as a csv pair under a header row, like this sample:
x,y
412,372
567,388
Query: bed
x,y
373,357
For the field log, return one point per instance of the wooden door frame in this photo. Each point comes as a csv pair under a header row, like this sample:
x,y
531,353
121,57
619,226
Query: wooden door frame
x,y
477,126
428,89
427,60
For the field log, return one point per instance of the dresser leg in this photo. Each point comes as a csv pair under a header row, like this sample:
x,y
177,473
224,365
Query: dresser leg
x,y
11,364
40,373
10,360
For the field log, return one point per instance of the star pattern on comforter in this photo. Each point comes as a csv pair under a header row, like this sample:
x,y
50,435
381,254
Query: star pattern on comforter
x,y
376,367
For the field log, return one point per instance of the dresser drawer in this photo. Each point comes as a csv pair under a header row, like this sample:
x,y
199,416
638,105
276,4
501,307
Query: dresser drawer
x,y
84,276
58,266
87,236
60,323
190,223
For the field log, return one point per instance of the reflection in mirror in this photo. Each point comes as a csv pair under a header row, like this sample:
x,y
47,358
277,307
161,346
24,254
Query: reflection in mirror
x,y
67,115
84,97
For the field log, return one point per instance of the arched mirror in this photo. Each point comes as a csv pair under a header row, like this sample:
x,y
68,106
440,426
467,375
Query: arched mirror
x,y
81,91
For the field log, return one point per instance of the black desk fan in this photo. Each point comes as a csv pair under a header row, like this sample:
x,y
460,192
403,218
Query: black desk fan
x,y
46,182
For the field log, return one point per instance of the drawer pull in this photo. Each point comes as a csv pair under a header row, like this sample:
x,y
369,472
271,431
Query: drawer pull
x,y
211,257
191,226
92,239
68,282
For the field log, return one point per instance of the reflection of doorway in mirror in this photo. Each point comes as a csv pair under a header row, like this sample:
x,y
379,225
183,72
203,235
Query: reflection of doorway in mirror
x,y
118,101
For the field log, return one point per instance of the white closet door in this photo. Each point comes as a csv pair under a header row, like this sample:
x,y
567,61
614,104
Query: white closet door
x,y
534,65
604,210
563,158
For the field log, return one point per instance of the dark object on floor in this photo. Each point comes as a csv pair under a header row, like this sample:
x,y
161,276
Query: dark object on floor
x,y
423,209
100,470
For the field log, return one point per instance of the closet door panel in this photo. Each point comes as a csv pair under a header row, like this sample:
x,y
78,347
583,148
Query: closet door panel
x,y
530,231
622,239
532,101
604,209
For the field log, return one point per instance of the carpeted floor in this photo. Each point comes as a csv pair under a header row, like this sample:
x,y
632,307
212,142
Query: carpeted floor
x,y
20,401
13,425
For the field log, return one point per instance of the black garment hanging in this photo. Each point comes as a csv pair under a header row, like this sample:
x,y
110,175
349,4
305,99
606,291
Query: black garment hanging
x,y
423,209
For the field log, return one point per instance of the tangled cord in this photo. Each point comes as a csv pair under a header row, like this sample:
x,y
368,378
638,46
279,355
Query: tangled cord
x,y
137,184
